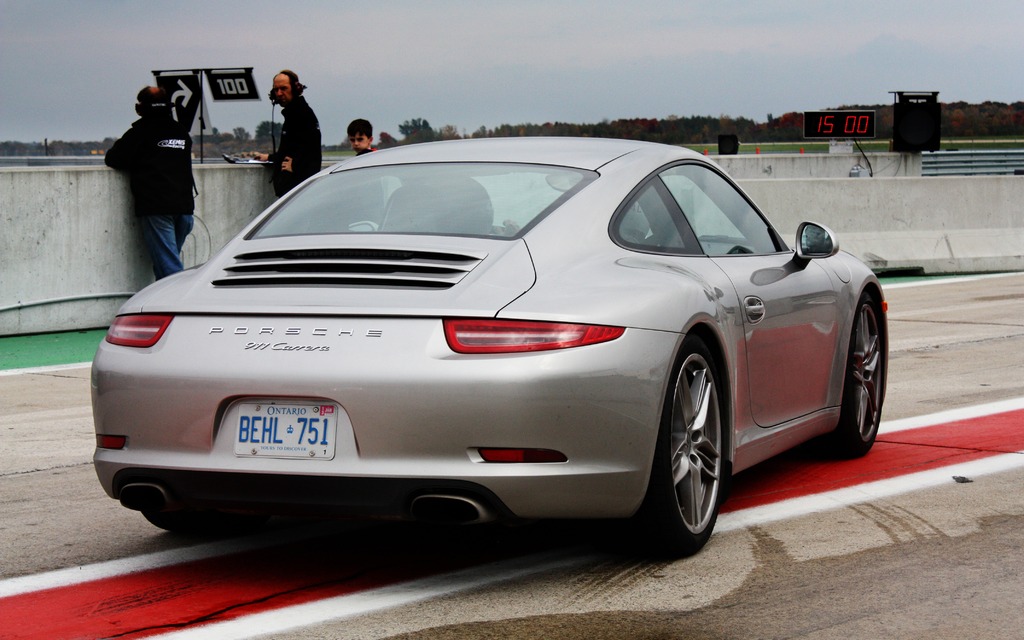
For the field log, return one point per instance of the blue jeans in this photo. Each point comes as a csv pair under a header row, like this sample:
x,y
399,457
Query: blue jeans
x,y
164,237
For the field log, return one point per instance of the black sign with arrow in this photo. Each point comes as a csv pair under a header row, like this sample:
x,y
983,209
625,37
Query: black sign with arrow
x,y
185,93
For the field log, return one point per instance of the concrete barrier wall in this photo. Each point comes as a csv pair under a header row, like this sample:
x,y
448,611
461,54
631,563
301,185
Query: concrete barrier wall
x,y
821,165
71,251
932,225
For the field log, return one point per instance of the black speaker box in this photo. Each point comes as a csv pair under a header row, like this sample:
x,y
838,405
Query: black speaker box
x,y
728,145
916,122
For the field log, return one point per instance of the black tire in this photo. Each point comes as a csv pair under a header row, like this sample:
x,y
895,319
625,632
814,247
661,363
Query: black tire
x,y
211,524
691,471
864,383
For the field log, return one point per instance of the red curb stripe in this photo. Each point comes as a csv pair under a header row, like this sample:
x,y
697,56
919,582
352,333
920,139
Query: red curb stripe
x,y
216,589
797,474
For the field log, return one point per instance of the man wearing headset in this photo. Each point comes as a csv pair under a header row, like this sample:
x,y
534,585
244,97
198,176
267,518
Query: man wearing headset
x,y
157,154
299,155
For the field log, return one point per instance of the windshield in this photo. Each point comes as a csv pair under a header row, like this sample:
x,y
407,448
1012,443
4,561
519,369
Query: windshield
x,y
476,199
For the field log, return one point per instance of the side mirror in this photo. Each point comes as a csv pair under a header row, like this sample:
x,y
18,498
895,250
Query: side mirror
x,y
815,240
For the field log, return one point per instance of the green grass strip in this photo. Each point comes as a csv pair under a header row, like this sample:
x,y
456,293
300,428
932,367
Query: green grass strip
x,y
46,349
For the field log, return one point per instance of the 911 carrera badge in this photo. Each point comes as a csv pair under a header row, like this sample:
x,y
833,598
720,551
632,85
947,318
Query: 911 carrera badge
x,y
284,346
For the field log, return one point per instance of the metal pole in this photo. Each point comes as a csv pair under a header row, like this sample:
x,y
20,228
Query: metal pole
x,y
202,116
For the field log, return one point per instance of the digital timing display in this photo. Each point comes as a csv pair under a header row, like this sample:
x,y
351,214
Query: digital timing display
x,y
839,124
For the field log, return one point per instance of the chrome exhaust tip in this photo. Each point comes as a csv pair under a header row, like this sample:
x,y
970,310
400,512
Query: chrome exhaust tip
x,y
449,509
147,496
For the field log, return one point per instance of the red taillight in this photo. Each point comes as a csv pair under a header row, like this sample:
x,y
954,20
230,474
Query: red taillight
x,y
522,455
512,336
111,442
138,331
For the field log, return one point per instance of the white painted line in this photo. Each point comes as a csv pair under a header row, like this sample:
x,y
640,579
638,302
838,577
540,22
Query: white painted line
x,y
869,492
47,369
945,280
124,566
952,415
357,604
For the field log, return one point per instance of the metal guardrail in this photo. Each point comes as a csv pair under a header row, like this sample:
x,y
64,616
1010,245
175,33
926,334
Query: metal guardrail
x,y
973,163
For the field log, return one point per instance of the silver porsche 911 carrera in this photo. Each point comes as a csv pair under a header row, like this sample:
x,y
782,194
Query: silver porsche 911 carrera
x,y
481,330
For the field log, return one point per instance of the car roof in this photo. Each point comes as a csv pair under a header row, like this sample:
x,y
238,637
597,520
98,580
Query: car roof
x,y
581,153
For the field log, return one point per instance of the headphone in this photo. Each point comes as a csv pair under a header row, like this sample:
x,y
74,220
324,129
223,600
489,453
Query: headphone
x,y
151,109
293,80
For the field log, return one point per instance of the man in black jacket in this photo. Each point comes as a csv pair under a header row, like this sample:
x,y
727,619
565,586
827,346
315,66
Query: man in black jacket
x,y
157,154
299,155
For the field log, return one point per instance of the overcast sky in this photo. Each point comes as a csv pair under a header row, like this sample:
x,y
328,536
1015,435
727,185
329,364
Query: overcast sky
x,y
70,69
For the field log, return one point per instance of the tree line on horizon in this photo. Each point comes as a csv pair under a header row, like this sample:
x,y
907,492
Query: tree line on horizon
x,y
958,120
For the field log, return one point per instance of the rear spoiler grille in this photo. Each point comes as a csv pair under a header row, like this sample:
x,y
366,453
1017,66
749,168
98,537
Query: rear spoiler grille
x,y
348,268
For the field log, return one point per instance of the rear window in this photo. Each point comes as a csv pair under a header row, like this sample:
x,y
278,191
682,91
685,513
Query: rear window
x,y
474,199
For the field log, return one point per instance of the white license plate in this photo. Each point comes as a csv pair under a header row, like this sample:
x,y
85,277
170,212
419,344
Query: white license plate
x,y
286,430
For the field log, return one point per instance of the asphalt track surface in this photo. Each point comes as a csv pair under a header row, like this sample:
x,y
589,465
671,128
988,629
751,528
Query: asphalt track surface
x,y
921,538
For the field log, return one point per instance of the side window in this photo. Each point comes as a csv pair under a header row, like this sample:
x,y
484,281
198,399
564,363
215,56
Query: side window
x,y
719,215
649,222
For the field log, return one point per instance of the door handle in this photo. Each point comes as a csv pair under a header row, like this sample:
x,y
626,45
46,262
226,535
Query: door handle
x,y
754,309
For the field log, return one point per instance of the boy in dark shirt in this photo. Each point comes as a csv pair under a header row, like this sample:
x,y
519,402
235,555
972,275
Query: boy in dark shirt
x,y
360,136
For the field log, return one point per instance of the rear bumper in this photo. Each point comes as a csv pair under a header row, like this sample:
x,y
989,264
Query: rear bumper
x,y
311,496
412,416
